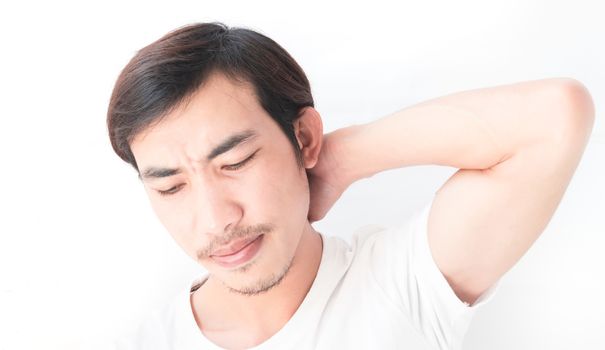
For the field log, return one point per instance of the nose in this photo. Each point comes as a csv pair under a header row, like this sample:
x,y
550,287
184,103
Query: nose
x,y
215,209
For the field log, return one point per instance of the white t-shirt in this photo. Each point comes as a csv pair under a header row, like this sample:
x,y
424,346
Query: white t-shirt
x,y
382,291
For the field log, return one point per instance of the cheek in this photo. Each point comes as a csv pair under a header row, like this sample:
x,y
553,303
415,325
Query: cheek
x,y
281,193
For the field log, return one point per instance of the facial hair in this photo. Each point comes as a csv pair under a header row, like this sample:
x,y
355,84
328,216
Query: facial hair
x,y
264,284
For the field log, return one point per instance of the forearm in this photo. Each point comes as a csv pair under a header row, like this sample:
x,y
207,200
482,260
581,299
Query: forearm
x,y
419,135
473,129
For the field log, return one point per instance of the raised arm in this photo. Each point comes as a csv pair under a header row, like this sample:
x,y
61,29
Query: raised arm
x,y
517,147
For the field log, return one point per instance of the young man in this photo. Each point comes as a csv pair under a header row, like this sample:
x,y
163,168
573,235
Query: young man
x,y
219,124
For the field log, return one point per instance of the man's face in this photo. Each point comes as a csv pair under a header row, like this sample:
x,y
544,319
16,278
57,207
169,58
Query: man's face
x,y
212,207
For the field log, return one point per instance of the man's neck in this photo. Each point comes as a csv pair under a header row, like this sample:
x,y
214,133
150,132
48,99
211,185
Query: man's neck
x,y
258,317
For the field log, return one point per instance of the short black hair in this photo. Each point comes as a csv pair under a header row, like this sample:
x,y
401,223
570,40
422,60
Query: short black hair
x,y
163,74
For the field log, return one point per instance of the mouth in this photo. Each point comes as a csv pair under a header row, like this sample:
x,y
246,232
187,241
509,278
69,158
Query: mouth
x,y
238,253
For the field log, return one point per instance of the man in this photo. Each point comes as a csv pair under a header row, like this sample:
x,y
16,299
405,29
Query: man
x,y
220,125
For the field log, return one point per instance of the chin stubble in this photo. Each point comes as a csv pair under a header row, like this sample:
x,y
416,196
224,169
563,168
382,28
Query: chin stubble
x,y
263,285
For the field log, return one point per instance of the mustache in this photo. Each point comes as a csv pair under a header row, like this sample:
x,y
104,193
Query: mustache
x,y
249,232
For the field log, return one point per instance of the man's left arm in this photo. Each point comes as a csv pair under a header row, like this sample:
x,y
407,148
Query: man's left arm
x,y
516,147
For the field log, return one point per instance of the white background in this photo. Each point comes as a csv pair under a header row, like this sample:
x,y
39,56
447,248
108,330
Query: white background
x,y
83,256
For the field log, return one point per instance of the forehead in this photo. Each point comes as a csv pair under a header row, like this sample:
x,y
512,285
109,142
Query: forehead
x,y
215,111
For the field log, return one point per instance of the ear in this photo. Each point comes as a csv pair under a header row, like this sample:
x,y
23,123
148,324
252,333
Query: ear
x,y
308,129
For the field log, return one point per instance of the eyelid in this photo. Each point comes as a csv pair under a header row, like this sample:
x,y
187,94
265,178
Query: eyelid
x,y
171,190
234,167
239,165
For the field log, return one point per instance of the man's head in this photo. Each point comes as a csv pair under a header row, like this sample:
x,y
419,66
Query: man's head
x,y
220,125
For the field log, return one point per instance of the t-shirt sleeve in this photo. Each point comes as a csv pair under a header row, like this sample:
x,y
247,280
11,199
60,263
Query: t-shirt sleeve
x,y
403,266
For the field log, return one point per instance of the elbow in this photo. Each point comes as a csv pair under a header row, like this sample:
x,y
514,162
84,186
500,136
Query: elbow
x,y
577,110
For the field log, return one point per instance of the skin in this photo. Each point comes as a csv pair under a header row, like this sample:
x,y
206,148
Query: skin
x,y
215,204
516,147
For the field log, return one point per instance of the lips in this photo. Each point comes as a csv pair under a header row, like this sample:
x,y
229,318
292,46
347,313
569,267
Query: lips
x,y
246,252
234,247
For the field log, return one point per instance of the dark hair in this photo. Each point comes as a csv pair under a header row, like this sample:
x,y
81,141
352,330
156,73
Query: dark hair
x,y
168,71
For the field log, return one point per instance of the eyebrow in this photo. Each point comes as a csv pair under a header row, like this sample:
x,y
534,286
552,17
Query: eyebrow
x,y
225,146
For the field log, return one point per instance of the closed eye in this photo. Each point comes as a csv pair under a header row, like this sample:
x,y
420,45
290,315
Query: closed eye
x,y
171,190
240,164
231,167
